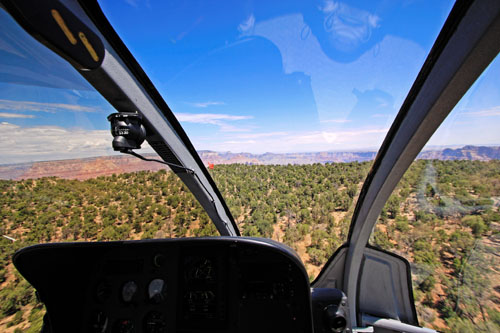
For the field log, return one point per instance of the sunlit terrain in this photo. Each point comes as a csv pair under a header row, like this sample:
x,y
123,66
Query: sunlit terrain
x,y
443,218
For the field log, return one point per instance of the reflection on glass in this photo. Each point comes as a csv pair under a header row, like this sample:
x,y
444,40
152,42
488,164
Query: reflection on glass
x,y
316,83
47,110
298,77
295,76
444,215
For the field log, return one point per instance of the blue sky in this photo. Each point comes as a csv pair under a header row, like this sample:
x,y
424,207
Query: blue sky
x,y
279,76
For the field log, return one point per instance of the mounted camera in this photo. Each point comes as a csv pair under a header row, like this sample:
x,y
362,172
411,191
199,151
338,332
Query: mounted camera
x,y
330,310
127,130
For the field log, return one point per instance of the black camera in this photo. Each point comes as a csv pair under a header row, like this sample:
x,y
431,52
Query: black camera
x,y
330,310
127,130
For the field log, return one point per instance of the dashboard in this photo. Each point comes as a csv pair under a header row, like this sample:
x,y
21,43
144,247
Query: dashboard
x,y
219,284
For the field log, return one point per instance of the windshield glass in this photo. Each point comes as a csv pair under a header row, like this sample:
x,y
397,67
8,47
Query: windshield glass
x,y
298,94
47,110
286,103
443,216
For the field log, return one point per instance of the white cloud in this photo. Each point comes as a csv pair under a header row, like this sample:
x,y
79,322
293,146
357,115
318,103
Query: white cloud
x,y
15,115
217,119
380,115
24,144
205,104
223,127
356,139
43,107
336,121
239,143
261,135
491,112
343,137
207,118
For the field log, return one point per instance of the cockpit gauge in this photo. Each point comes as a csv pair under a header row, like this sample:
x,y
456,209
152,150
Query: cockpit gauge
x,y
202,269
157,291
159,260
124,326
129,290
102,291
154,322
199,288
207,296
99,322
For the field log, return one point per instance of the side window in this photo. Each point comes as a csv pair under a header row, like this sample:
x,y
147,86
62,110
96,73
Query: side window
x,y
444,216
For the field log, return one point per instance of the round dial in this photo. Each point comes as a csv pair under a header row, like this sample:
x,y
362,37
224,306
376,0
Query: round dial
x,y
124,326
102,291
129,290
159,260
202,269
154,322
157,290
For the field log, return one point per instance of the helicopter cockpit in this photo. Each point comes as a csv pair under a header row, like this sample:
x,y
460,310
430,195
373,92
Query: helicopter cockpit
x,y
67,56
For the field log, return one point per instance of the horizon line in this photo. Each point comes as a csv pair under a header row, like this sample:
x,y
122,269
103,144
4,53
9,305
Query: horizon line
x,y
359,151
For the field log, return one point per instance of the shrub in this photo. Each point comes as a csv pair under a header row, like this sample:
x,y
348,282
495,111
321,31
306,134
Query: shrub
x,y
476,223
402,224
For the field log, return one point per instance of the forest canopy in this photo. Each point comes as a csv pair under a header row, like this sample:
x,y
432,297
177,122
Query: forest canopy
x,y
443,217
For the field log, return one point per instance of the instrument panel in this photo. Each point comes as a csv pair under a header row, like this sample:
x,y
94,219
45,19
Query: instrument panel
x,y
222,284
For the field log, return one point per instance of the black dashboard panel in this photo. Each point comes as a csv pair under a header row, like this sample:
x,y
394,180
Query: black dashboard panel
x,y
222,284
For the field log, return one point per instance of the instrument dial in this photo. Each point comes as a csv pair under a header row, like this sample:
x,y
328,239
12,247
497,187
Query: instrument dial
x,y
155,323
157,291
103,291
99,322
124,326
201,269
129,291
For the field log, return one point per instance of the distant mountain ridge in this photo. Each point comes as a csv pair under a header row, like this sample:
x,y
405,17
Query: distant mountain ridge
x,y
86,168
285,158
80,169
481,153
